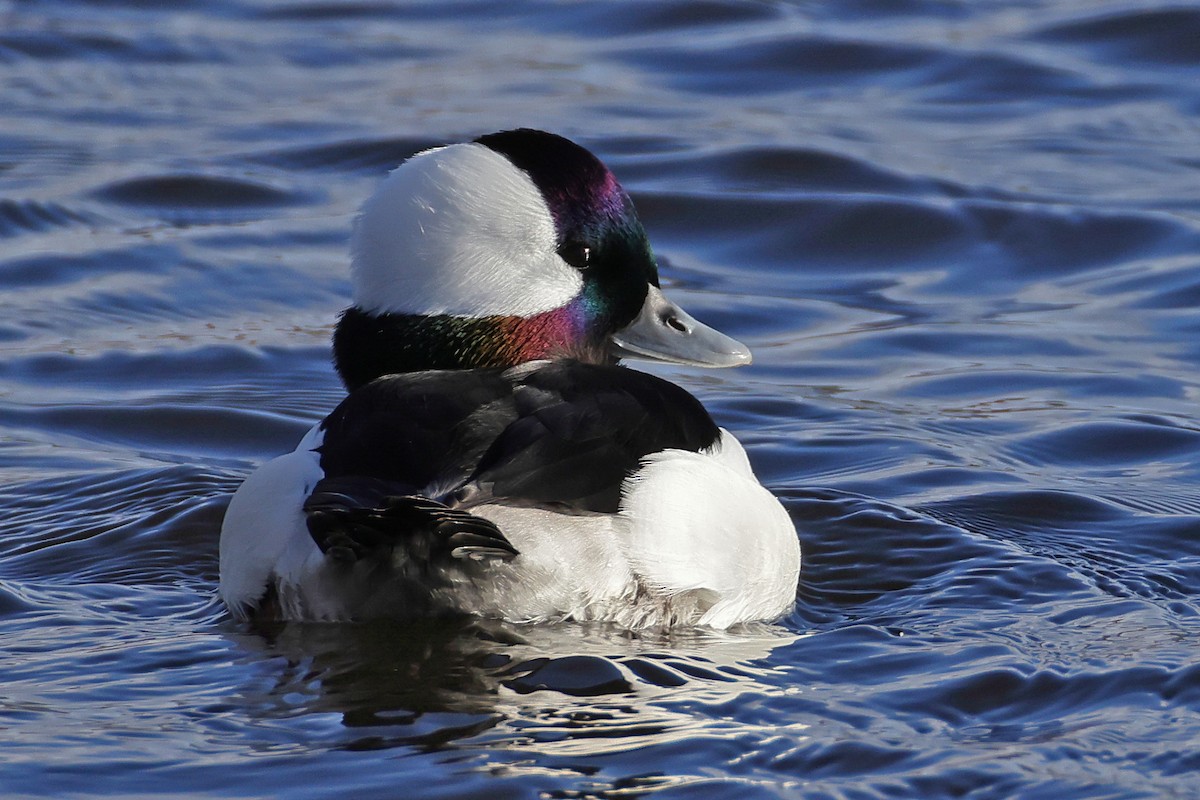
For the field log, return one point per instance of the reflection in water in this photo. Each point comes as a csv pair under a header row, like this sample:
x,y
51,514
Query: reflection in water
x,y
566,689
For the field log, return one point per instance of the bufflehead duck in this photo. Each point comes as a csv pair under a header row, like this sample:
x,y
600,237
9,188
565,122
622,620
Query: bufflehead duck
x,y
491,457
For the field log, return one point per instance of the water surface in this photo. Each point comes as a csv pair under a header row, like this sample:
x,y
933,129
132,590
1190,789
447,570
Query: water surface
x,y
962,239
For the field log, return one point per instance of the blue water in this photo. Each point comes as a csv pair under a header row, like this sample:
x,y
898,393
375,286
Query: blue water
x,y
963,240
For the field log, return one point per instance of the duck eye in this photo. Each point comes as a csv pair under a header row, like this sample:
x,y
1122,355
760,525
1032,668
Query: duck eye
x,y
577,254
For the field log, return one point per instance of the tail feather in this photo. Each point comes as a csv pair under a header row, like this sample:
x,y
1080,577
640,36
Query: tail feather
x,y
352,518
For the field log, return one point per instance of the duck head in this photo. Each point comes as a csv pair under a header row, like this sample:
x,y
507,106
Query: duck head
x,y
520,245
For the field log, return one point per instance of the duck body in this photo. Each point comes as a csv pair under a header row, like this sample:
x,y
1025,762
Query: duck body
x,y
491,457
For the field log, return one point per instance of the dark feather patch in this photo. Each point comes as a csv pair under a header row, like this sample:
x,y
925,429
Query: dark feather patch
x,y
582,428
419,429
358,517
562,434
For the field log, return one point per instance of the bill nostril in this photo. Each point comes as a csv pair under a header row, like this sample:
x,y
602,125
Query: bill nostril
x,y
676,323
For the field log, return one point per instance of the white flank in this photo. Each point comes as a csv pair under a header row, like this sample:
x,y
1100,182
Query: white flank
x,y
264,520
702,525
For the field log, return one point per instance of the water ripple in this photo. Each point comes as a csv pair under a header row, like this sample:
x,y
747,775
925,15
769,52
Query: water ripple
x,y
1168,36
961,239
26,216
199,198
368,156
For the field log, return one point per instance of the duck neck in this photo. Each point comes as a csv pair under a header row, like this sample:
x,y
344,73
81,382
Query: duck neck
x,y
366,346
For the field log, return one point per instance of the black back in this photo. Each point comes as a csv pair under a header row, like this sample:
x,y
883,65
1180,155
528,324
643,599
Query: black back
x,y
562,434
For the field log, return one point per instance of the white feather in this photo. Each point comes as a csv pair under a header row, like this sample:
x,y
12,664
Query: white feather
x,y
459,230
262,521
702,526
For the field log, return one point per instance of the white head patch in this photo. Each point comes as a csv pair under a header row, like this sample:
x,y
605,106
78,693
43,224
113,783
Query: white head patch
x,y
458,230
